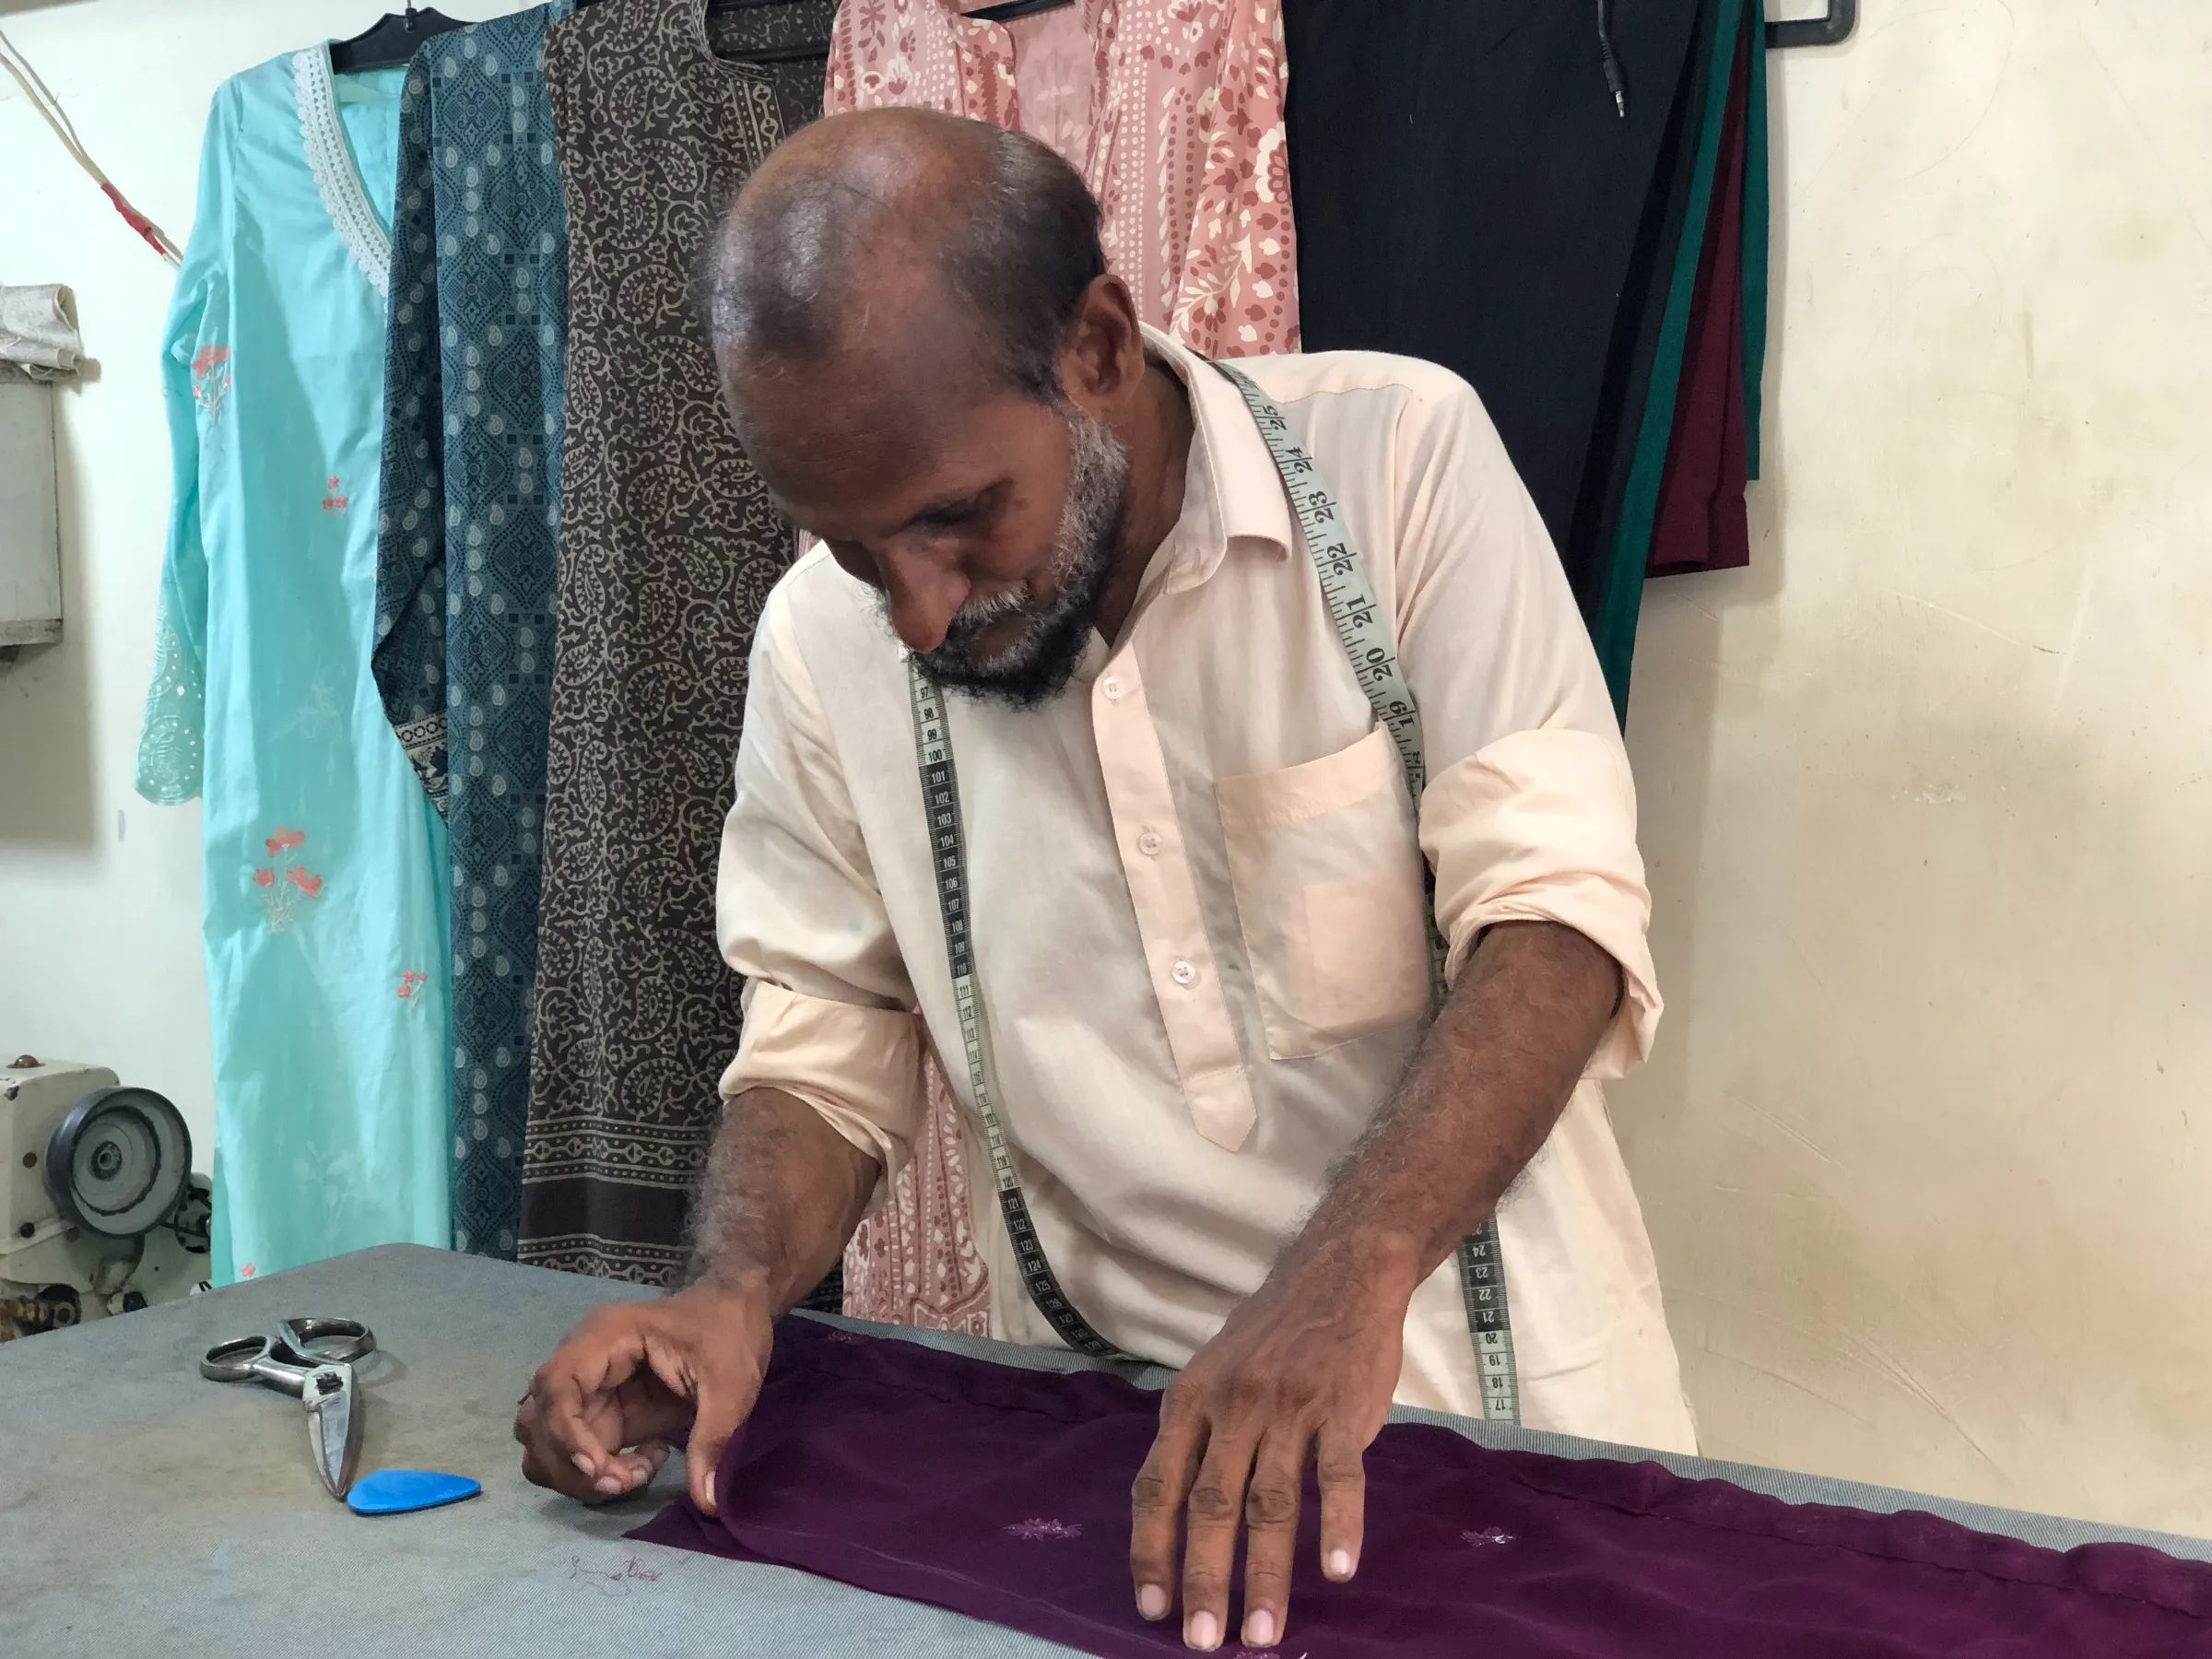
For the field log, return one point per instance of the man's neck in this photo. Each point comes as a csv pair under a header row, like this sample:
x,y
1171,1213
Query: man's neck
x,y
1160,453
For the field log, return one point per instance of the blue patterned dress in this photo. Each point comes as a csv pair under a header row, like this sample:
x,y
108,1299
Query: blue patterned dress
x,y
322,900
466,551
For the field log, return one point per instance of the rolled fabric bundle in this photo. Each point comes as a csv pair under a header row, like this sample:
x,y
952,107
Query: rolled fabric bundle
x,y
37,336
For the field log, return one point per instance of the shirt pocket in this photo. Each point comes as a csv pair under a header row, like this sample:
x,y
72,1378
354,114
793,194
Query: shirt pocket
x,y
1327,873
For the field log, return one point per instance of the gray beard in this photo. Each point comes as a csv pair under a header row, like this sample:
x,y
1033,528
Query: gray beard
x,y
1036,666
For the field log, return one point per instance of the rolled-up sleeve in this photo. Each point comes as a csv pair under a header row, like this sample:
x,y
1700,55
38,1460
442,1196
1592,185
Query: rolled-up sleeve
x,y
828,1006
1530,810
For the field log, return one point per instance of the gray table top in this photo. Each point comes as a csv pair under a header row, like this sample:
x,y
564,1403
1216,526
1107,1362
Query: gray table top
x,y
145,1510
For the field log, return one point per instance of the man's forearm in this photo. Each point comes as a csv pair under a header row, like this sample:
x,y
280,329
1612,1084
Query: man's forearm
x,y
1487,1083
784,1191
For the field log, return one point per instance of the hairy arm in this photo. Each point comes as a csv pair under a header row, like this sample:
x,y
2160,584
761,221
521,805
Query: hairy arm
x,y
1485,1086
1303,1372
784,1191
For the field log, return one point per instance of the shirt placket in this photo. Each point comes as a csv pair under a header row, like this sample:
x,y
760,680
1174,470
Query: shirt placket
x,y
1178,956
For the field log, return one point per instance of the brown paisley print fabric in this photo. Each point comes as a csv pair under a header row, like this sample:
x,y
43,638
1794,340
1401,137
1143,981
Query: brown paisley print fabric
x,y
668,545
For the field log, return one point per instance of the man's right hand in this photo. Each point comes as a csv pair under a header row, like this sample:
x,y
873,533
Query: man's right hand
x,y
600,1416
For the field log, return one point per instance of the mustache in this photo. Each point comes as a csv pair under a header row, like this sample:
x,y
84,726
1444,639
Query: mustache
x,y
976,614
1049,628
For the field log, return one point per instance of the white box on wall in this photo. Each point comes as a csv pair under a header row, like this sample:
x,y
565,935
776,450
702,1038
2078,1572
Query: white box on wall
x,y
30,539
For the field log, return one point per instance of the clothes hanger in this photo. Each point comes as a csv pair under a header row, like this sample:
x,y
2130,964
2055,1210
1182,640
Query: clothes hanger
x,y
1011,9
1830,29
390,41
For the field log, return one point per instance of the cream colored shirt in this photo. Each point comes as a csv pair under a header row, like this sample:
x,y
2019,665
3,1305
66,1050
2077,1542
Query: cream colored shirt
x,y
1195,885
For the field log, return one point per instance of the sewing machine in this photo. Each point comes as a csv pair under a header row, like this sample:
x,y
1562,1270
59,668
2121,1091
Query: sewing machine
x,y
100,1211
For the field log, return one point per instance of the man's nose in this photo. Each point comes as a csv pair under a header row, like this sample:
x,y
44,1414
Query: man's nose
x,y
925,595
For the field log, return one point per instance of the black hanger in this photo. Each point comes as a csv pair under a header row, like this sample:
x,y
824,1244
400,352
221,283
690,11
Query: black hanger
x,y
1011,9
390,41
1828,30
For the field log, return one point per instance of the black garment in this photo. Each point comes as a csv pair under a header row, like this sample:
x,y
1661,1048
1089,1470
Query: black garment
x,y
669,543
1466,192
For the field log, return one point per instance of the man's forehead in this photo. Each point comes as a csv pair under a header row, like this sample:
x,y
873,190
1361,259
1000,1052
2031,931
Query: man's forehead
x,y
897,380
851,458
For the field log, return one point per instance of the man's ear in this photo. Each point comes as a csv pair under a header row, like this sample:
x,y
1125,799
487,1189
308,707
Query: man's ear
x,y
1102,358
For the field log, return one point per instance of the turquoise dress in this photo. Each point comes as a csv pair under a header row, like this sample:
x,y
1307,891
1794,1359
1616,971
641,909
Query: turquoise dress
x,y
323,897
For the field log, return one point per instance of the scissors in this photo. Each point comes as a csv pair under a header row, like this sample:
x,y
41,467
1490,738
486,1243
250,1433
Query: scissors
x,y
312,1359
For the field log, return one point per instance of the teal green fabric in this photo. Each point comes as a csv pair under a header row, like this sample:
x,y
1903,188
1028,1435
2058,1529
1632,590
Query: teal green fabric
x,y
475,411
323,889
1758,236
1613,627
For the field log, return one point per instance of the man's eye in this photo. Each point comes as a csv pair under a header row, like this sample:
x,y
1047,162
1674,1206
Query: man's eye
x,y
949,518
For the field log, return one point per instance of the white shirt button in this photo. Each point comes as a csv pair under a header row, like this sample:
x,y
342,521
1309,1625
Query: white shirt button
x,y
1183,973
1148,842
1113,688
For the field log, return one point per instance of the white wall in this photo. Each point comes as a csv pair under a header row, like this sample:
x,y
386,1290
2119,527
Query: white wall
x,y
99,892
1926,792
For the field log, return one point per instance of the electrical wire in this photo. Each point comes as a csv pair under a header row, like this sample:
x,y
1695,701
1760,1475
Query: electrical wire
x,y
1616,82
50,110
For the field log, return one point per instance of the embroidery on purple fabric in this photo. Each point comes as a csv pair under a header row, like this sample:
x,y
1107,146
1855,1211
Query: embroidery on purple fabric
x,y
1481,1535
1036,1528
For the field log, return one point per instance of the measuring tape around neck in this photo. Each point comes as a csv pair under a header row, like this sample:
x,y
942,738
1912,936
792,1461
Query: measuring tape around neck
x,y
1372,654
949,859
1364,632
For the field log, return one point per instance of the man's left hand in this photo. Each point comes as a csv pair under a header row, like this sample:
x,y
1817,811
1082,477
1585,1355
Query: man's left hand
x,y
1300,1375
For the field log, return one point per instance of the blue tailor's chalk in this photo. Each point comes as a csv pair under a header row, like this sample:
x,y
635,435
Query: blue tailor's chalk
x,y
396,1491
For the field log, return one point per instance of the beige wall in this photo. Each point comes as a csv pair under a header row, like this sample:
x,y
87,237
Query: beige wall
x,y
1926,793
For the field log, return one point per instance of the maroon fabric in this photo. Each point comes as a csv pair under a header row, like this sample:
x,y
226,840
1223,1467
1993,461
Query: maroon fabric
x,y
1005,1494
1701,523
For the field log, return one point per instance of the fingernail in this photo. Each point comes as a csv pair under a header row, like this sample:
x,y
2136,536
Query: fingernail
x,y
580,1460
1203,1633
1339,1564
608,1484
1259,1629
1152,1601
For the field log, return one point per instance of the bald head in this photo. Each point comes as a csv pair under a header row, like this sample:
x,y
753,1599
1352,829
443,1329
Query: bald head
x,y
890,238
935,375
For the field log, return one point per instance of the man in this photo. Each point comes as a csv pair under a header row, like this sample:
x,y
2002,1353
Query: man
x,y
1193,871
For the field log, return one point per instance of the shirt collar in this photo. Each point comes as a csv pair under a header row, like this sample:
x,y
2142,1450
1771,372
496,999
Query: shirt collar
x,y
1232,492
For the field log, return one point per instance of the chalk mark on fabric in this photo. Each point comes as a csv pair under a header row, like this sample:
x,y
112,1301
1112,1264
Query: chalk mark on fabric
x,y
1037,1528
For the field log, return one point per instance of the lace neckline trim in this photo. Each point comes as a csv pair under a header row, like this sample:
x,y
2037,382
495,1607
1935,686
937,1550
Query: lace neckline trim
x,y
330,158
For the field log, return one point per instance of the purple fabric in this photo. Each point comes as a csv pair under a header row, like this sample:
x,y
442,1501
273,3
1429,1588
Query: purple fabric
x,y
1005,1494
1702,522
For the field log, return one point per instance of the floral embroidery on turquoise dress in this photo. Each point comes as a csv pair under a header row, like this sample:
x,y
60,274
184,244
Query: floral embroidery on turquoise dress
x,y
323,880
